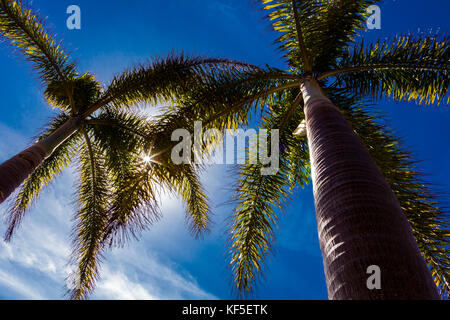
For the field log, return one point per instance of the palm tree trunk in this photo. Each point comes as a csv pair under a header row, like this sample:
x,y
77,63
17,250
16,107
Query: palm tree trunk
x,y
360,221
15,170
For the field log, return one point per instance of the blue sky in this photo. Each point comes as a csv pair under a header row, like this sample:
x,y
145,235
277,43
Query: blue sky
x,y
168,263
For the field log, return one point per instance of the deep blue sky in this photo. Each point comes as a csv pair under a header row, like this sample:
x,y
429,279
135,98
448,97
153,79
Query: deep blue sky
x,y
168,263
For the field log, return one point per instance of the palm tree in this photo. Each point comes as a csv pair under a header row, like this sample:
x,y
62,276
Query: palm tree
x,y
372,204
119,177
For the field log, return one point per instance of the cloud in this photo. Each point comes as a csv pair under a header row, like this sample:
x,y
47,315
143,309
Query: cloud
x,y
224,7
18,285
140,275
116,285
34,265
10,142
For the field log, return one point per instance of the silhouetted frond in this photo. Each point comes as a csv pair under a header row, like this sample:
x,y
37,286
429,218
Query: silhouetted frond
x,y
231,98
85,91
340,23
122,138
91,218
184,180
134,205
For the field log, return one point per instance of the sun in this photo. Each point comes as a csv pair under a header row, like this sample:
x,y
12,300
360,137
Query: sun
x,y
147,159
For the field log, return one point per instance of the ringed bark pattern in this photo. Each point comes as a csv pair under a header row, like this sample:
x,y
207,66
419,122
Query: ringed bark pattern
x,y
15,170
360,221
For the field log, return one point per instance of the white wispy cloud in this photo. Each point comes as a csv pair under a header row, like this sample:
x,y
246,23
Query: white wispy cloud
x,y
11,140
138,273
225,7
34,265
118,285
19,286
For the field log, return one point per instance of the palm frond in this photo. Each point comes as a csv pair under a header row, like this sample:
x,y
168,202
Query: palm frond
x,y
26,33
136,189
162,80
306,61
91,218
127,216
318,30
222,101
85,91
339,25
231,98
258,196
43,175
405,69
281,15
122,138
185,181
134,205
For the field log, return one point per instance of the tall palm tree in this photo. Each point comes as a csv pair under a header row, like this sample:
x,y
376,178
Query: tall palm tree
x,y
119,178
372,204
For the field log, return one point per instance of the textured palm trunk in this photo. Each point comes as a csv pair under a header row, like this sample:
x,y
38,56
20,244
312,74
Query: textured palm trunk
x,y
15,170
360,221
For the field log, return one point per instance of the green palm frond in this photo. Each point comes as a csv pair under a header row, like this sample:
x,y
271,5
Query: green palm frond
x,y
42,176
258,197
195,199
407,68
339,25
122,137
26,33
136,189
297,28
134,205
322,29
85,91
224,100
162,80
229,100
184,180
93,195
